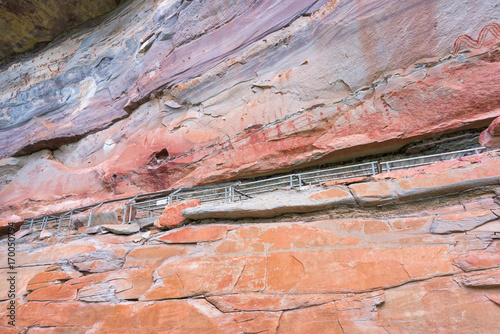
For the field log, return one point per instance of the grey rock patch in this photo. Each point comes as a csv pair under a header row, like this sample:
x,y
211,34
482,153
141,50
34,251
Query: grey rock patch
x,y
269,205
102,292
124,229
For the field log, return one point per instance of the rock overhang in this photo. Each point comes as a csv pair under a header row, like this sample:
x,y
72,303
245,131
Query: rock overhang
x,y
26,23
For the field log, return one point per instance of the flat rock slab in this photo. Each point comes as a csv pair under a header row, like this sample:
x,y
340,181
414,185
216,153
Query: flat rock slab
x,y
122,229
275,204
146,222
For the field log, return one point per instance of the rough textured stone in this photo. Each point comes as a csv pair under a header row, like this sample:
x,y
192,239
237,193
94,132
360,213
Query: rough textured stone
x,y
27,23
491,136
168,94
462,221
172,215
369,273
416,308
274,204
133,105
98,261
373,193
487,278
125,229
102,292
56,292
44,234
191,234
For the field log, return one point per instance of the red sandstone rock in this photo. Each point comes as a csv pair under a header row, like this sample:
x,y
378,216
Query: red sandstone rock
x,y
488,278
440,304
152,256
284,275
491,136
4,224
172,215
44,279
191,234
287,114
274,276
337,192
56,292
263,302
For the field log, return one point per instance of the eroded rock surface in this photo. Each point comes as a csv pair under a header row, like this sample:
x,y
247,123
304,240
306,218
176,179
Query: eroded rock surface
x,y
167,94
179,93
351,270
25,23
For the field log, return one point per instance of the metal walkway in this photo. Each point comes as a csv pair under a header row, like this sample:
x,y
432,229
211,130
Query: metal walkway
x,y
153,204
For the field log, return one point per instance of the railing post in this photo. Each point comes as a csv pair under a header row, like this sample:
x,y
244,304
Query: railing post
x,y
31,224
291,181
60,222
90,217
125,209
373,168
300,180
388,169
225,194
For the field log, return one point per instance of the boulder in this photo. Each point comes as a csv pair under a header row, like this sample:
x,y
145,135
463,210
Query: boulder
x,y
172,215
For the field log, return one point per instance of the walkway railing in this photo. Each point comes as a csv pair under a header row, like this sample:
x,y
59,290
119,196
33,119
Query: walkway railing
x,y
427,159
153,204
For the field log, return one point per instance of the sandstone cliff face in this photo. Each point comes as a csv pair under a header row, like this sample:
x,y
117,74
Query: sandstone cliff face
x,y
26,23
177,93
412,266
160,94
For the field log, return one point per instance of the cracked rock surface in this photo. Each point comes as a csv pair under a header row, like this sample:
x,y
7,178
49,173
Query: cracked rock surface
x,y
164,94
343,270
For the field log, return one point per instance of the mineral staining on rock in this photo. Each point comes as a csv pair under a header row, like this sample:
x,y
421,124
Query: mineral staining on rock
x,y
169,94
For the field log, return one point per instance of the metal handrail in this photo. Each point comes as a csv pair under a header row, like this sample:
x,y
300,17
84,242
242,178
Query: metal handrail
x,y
246,189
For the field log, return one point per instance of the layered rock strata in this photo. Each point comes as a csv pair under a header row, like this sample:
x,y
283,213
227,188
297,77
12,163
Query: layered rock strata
x,y
399,268
180,93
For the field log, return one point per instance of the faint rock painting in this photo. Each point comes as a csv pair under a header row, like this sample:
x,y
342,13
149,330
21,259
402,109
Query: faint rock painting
x,y
491,31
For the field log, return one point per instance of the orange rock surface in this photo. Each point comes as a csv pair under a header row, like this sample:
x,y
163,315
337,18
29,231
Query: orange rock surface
x,y
354,270
172,215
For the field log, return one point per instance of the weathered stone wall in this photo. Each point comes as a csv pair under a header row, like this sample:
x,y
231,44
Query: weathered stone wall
x,y
161,94
428,265
177,93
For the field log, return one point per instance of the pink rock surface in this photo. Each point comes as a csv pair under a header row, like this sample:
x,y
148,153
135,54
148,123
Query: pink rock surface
x,y
377,272
163,94
156,114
